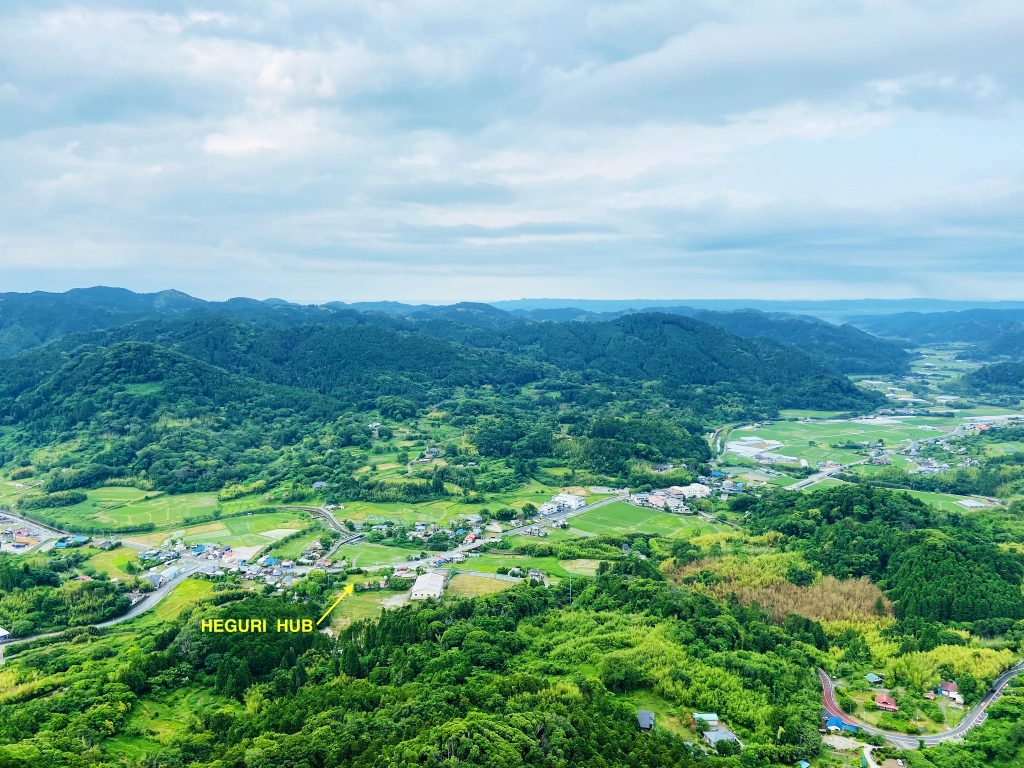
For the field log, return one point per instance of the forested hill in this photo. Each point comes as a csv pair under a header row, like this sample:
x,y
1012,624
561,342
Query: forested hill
x,y
849,349
140,410
357,358
972,325
999,379
30,320
682,351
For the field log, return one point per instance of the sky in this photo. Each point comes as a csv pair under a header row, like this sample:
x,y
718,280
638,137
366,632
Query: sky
x,y
447,150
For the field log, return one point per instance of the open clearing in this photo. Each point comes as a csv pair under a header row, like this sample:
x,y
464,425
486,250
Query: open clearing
x,y
160,718
622,517
467,585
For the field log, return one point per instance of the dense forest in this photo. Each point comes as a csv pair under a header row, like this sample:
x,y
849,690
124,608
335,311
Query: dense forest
x,y
997,379
495,681
34,597
932,564
180,395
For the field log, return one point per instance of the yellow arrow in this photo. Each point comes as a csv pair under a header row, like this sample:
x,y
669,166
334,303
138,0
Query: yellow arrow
x,y
348,590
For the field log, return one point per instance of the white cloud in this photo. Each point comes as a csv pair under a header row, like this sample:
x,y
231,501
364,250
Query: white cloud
x,y
707,146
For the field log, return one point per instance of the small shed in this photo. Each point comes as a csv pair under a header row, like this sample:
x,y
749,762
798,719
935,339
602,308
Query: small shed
x,y
874,679
645,719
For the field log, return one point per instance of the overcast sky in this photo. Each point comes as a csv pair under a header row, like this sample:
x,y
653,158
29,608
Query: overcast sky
x,y
442,150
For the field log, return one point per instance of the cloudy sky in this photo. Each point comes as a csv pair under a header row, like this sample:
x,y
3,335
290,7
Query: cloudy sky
x,y
442,150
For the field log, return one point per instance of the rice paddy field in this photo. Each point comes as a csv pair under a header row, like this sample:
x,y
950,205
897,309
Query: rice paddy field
x,y
813,440
115,508
255,530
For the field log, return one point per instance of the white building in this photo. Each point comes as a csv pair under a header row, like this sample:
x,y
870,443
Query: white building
x,y
691,491
428,585
568,500
4,634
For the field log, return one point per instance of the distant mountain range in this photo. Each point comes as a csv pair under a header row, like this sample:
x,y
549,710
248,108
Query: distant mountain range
x,y
30,320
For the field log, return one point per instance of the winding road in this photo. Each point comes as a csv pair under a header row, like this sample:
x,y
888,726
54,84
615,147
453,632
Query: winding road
x,y
975,716
147,603
189,567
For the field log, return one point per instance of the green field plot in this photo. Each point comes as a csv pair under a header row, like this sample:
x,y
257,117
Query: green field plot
x,y
366,554
490,562
291,550
366,605
799,413
467,585
622,517
257,529
117,508
1002,449
946,501
185,595
113,562
249,530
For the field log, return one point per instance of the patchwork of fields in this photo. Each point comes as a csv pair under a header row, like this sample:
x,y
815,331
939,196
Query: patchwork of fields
x,y
814,440
117,508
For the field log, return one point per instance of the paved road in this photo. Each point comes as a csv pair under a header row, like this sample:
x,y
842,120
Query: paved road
x,y
975,716
147,603
819,476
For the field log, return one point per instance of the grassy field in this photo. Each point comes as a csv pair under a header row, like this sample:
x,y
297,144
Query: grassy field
x,y
188,593
366,605
113,562
466,585
622,517
367,554
291,550
947,501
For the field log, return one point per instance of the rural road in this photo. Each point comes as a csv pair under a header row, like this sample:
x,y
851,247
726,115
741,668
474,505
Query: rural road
x,y
147,603
905,741
463,548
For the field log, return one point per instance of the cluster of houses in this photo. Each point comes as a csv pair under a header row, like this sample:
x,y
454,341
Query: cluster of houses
x,y
885,702
675,498
428,455
949,689
422,531
313,555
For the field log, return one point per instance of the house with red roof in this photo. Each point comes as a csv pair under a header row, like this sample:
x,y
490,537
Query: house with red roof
x,y
886,702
